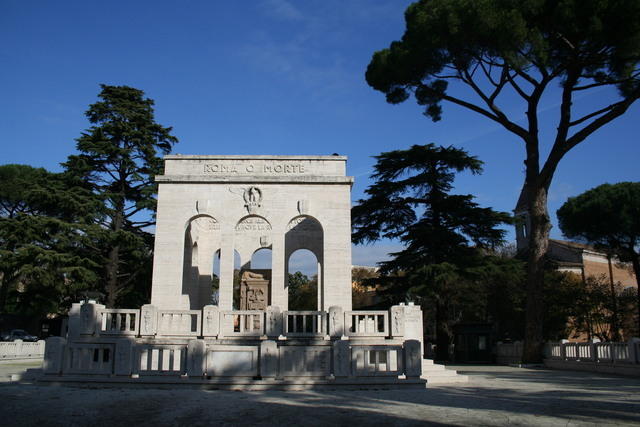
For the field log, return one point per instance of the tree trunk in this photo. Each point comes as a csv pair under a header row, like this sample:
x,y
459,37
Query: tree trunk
x,y
615,329
112,276
538,244
636,270
442,332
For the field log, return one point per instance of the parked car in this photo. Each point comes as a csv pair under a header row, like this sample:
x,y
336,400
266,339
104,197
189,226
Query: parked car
x,y
18,334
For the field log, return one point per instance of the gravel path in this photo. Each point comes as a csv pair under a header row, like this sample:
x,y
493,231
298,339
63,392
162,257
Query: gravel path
x,y
495,395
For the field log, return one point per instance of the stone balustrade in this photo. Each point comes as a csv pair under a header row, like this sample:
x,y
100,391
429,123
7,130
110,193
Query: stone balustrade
x,y
305,323
118,321
594,351
366,323
213,343
18,349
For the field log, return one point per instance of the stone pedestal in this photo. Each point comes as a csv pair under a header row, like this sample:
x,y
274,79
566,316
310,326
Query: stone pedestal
x,y
336,321
53,355
89,318
268,359
274,322
148,320
123,359
341,359
195,358
210,321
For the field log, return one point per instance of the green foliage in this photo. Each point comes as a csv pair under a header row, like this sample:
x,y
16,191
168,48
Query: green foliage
x,y
499,52
117,162
446,40
607,217
303,292
443,234
44,228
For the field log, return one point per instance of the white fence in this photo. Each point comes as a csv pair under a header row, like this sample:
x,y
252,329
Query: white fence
x,y
19,349
599,352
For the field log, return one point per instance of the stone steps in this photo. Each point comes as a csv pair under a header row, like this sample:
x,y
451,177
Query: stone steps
x,y
436,373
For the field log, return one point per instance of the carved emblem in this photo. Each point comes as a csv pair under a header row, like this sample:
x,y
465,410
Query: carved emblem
x,y
303,207
252,198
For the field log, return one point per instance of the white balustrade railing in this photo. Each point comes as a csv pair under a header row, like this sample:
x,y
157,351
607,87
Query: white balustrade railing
x,y
18,349
366,323
305,323
118,321
155,359
179,322
90,358
600,352
377,360
242,323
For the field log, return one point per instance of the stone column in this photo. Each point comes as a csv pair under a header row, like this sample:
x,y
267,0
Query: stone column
x,y
274,322
336,321
210,321
226,271
124,353
397,321
279,296
341,359
412,358
195,358
74,321
269,359
90,319
54,355
148,320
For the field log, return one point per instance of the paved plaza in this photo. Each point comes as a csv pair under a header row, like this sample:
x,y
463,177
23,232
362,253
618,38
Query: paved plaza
x,y
495,395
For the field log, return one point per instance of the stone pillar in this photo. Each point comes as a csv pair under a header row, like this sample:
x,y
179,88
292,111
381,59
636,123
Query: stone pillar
x,y
89,318
397,320
336,321
279,295
54,355
274,327
210,321
341,359
74,321
634,350
124,357
226,272
269,359
413,324
412,358
148,320
563,349
593,351
195,358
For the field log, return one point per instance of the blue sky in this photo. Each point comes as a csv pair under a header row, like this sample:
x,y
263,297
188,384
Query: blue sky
x,y
262,77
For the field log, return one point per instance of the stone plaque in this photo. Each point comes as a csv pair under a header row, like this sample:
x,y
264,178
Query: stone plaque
x,y
254,289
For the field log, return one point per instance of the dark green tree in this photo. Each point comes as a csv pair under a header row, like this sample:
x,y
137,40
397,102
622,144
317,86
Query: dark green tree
x,y
515,53
443,233
45,227
117,160
607,217
303,293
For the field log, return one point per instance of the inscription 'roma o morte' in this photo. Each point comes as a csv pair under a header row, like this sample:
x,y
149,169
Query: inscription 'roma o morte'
x,y
271,168
253,223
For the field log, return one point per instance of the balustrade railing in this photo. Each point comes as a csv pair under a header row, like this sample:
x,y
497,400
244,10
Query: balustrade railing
x,y
161,360
305,323
19,349
600,352
242,323
377,360
366,323
179,322
119,321
89,358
